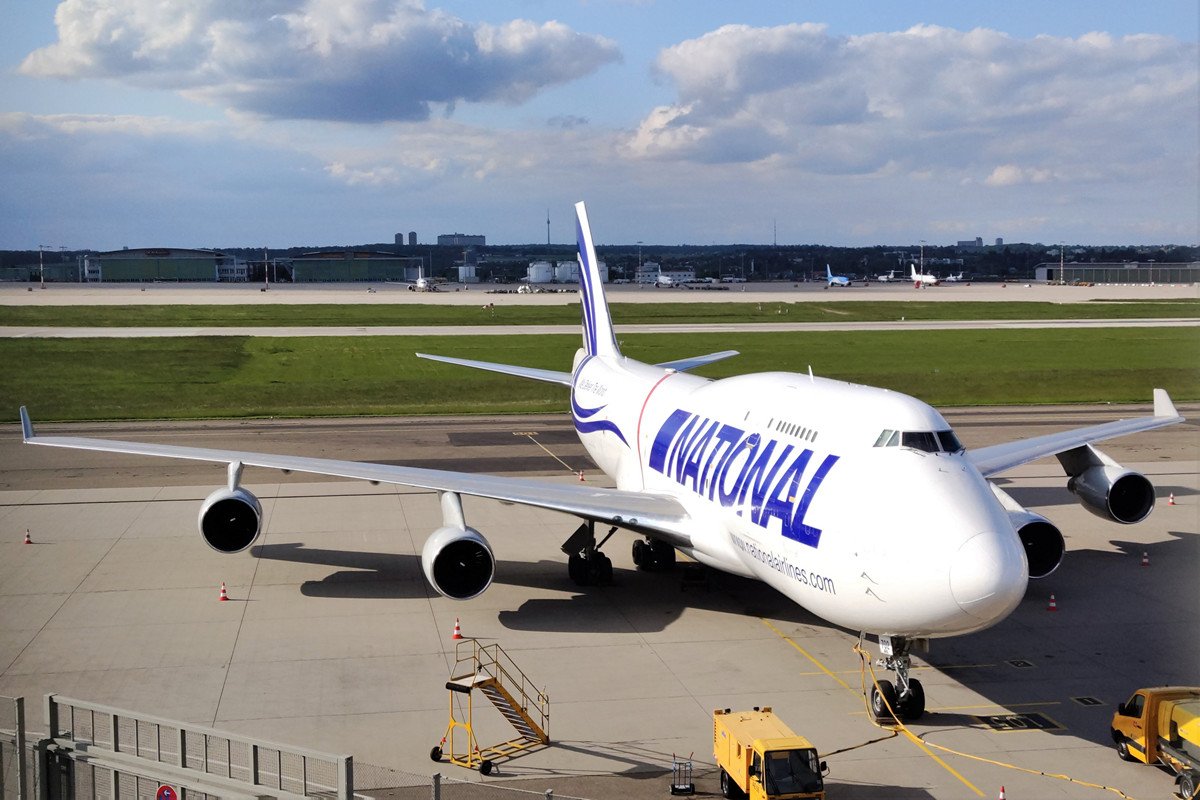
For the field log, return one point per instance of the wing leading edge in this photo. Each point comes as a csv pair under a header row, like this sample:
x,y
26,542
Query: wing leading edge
x,y
997,458
658,514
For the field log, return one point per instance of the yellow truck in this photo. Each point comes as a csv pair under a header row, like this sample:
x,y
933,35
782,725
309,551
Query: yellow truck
x,y
760,757
1162,726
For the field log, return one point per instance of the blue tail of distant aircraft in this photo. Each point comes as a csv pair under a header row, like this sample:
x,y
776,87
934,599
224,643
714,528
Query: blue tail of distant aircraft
x,y
598,336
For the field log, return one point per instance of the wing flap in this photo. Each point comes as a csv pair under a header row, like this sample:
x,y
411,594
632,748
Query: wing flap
x,y
997,458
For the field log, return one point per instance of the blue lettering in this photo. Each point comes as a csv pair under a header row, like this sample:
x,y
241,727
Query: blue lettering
x,y
797,529
691,468
685,445
779,506
726,438
758,480
666,435
747,445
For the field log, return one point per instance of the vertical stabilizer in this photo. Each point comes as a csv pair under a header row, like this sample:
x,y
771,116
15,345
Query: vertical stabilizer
x,y
598,337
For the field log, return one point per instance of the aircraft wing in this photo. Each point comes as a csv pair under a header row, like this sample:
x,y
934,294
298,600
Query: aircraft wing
x,y
659,515
544,375
999,457
684,364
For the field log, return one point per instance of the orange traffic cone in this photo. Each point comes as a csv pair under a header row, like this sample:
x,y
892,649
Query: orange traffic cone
x,y
1145,559
457,630
1171,499
1001,793
27,539
224,596
1053,605
581,476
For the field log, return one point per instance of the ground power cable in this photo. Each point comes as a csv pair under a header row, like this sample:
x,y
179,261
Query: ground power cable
x,y
900,727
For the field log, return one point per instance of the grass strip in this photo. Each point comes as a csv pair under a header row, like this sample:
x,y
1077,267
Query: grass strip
x,y
232,377
806,310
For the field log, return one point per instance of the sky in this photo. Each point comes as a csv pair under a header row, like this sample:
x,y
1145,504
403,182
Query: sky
x,y
284,123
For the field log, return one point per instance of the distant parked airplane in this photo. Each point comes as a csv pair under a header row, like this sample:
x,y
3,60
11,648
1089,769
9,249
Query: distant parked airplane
x,y
835,280
923,278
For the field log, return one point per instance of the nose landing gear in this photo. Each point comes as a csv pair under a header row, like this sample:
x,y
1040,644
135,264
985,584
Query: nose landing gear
x,y
906,697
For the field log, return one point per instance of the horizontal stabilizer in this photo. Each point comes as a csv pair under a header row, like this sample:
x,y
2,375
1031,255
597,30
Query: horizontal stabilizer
x,y
684,364
544,375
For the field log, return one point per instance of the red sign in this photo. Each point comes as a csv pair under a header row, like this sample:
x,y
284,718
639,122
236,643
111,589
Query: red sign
x,y
166,792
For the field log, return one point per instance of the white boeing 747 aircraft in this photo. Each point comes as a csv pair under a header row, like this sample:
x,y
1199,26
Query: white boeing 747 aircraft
x,y
859,504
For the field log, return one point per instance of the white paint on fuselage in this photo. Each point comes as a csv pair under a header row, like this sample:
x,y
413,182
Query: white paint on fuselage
x,y
911,543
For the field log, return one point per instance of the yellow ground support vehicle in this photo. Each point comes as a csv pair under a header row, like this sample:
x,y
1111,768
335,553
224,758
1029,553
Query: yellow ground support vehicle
x,y
760,757
1162,726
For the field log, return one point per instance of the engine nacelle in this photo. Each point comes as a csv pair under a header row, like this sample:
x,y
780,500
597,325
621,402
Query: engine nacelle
x,y
1043,543
458,562
1114,493
230,520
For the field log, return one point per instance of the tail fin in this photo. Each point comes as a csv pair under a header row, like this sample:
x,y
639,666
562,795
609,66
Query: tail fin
x,y
598,337
828,273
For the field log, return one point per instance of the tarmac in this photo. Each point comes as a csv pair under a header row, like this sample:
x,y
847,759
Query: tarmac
x,y
332,640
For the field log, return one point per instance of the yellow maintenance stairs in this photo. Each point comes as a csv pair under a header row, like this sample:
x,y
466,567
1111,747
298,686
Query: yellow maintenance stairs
x,y
488,669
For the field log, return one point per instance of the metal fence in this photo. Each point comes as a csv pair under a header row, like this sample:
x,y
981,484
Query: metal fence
x,y
202,759
18,762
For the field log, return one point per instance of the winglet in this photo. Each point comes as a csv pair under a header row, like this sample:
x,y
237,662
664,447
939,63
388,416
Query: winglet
x,y
598,336
26,425
1163,407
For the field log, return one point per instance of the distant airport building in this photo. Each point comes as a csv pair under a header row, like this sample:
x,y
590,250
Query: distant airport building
x,y
650,271
540,272
461,240
350,266
970,244
1118,273
412,238
163,264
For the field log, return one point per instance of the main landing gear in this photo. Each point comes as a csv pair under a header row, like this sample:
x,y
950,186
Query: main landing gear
x,y
587,566
906,697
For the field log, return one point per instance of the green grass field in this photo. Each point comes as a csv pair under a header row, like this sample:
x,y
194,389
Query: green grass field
x,y
178,378
808,309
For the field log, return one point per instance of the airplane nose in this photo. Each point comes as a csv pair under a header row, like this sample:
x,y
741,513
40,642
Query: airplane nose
x,y
988,576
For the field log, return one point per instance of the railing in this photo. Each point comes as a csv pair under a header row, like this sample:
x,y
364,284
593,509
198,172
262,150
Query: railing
x,y
492,661
203,753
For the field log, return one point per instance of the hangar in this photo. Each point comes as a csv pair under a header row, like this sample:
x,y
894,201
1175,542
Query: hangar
x,y
1131,272
163,264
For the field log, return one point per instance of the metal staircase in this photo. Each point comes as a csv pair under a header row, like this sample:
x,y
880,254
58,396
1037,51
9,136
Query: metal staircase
x,y
488,669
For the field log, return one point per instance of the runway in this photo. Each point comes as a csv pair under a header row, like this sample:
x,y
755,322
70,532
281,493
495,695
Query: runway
x,y
18,332
334,641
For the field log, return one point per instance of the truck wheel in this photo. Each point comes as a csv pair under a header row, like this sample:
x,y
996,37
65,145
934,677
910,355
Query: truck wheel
x,y
1123,749
729,789
1187,784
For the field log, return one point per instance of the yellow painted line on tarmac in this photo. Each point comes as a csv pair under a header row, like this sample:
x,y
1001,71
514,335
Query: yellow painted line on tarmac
x,y
911,737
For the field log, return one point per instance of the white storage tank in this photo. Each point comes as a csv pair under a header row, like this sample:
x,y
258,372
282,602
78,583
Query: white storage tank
x,y
541,272
567,272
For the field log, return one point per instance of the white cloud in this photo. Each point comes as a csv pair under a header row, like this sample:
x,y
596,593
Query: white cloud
x,y
349,60
928,101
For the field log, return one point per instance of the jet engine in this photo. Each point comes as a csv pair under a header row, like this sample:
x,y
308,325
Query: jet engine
x,y
230,520
1114,493
458,562
1043,543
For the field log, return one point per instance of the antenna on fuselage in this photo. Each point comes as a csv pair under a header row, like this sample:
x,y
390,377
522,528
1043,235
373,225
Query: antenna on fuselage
x,y
810,375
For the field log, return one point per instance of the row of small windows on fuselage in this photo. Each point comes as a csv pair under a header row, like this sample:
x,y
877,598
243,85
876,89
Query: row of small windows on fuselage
x,y
792,429
925,441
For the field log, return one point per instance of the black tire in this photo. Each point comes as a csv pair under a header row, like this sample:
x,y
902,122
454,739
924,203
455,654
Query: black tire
x,y
1123,749
662,556
885,690
486,767
604,571
729,789
1188,781
577,569
436,754
641,553
912,705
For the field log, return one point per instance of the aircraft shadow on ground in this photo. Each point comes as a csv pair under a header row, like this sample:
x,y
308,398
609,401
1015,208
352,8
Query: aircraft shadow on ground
x,y
394,576
1118,627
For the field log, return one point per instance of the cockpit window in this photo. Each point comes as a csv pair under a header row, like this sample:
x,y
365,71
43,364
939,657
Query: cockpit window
x,y
919,440
925,441
950,442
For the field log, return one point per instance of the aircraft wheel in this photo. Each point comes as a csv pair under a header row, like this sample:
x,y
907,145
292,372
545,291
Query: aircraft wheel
x,y
879,708
912,705
577,570
639,553
662,556
435,754
602,569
